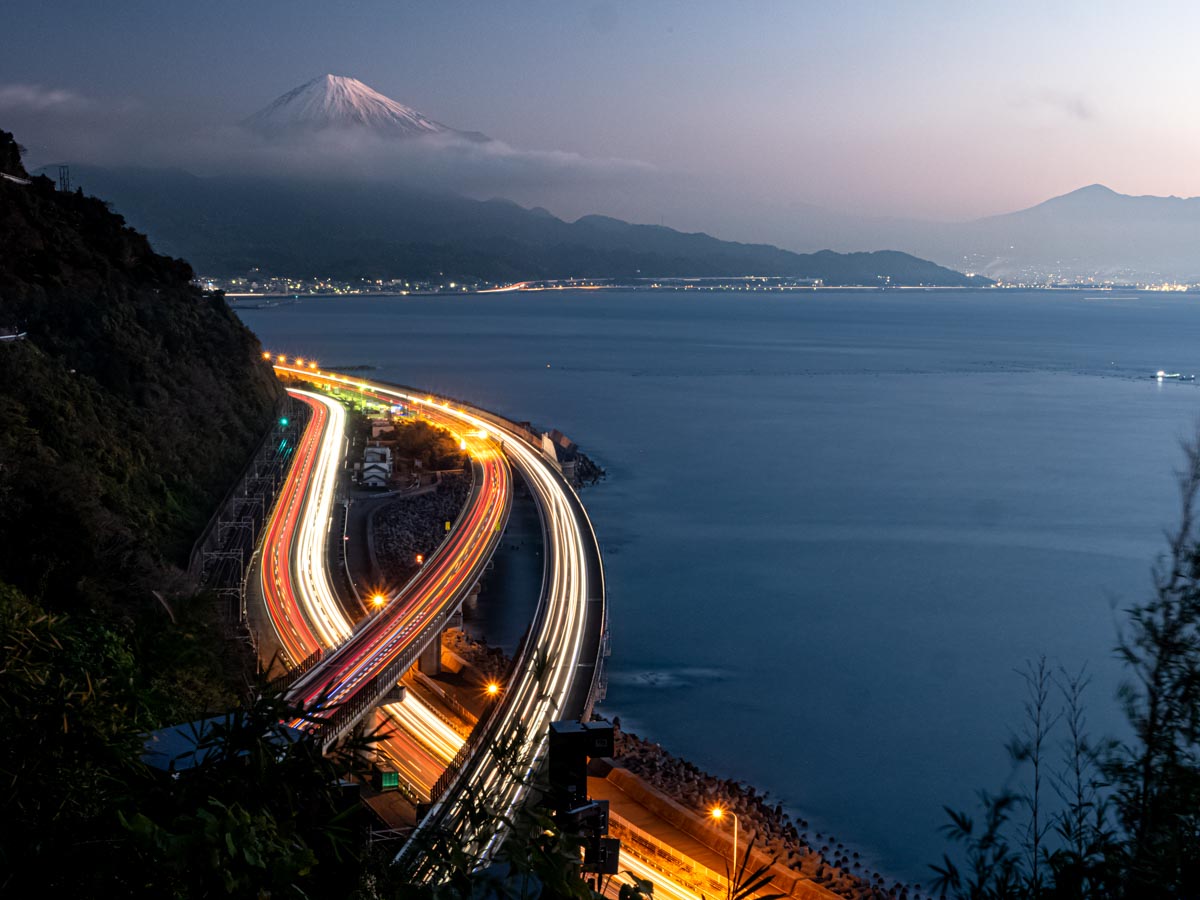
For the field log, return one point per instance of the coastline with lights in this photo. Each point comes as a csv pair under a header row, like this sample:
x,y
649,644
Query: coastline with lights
x,y
816,869
716,806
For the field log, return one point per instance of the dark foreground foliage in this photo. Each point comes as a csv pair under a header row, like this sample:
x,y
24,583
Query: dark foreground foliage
x,y
85,817
262,814
1104,818
126,410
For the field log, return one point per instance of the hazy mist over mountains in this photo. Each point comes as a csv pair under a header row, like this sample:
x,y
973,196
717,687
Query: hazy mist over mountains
x,y
349,228
1090,232
336,179
336,127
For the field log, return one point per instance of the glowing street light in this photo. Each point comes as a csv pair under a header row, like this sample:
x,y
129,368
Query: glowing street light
x,y
266,354
379,600
420,559
718,814
492,689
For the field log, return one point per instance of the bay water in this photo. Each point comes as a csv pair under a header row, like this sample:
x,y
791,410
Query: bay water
x,y
835,523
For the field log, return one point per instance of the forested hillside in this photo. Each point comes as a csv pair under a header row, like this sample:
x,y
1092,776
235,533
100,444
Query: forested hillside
x,y
129,400
127,410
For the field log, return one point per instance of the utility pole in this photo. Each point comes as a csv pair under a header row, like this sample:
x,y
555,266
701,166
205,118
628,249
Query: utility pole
x,y
64,178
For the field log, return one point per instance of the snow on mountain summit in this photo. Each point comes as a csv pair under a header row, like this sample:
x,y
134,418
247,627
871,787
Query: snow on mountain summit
x,y
339,102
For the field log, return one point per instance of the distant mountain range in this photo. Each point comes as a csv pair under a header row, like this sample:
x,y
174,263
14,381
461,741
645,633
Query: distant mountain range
x,y
227,225
1093,230
1090,232
337,102
319,220
346,227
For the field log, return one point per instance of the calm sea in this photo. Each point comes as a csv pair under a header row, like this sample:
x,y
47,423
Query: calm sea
x,y
834,523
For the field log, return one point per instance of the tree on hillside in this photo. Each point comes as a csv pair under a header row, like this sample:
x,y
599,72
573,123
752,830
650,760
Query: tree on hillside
x,y
1125,821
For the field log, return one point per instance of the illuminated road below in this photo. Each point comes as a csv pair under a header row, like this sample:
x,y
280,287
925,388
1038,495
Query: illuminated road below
x,y
381,647
556,673
300,600
554,677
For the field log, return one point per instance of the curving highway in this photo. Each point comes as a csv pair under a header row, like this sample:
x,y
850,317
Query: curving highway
x,y
556,673
378,651
300,600
279,587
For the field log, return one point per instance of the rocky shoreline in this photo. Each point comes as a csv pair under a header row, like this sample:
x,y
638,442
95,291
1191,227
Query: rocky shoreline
x,y
813,854
406,527
817,856
587,471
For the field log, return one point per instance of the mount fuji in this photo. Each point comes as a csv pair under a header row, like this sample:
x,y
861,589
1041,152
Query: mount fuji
x,y
339,103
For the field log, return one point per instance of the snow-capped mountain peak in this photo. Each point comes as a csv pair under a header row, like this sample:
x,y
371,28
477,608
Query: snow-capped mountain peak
x,y
339,102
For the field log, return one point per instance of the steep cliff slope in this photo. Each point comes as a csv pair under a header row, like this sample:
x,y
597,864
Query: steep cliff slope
x,y
125,411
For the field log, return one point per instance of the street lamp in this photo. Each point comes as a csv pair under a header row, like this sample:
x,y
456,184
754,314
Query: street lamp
x,y
718,814
493,689
379,600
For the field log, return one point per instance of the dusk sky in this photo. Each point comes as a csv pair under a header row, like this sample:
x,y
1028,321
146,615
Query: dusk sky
x,y
939,110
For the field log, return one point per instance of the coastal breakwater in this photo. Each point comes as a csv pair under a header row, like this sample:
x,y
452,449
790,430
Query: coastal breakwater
x,y
803,864
672,796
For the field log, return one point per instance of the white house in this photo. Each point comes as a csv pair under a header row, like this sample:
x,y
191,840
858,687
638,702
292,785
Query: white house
x,y
377,466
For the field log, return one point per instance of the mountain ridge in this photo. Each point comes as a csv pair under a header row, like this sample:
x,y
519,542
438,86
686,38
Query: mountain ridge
x,y
1092,232
227,225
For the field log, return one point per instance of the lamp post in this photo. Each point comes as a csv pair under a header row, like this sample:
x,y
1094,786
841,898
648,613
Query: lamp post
x,y
718,814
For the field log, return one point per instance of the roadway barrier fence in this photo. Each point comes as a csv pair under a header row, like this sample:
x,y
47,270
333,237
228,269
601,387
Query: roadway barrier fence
x,y
479,734
223,556
442,698
292,675
264,458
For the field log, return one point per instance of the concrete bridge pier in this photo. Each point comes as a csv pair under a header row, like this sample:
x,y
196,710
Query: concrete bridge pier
x,y
430,660
395,695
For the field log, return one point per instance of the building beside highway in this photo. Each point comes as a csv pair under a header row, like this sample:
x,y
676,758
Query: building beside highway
x,y
376,467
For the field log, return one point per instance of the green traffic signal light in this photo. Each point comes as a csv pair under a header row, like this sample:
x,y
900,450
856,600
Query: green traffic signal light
x,y
283,421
